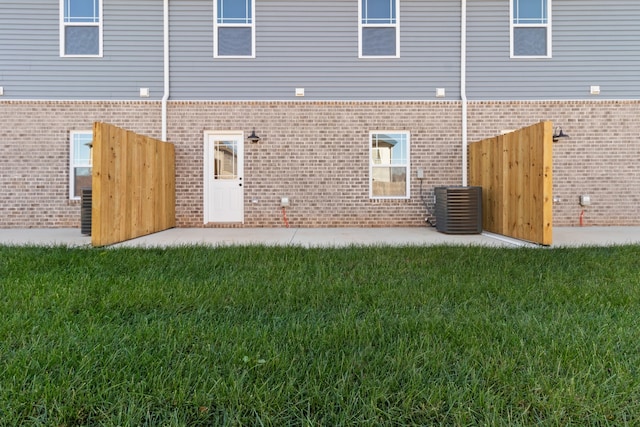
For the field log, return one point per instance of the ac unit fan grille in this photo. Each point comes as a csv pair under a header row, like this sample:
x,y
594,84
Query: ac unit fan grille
x,y
459,210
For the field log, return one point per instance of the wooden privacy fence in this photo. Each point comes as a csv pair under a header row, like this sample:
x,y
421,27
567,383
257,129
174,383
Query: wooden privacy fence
x,y
515,173
133,183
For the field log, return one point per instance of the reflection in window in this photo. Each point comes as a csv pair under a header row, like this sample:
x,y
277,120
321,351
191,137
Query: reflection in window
x,y
389,164
80,161
225,165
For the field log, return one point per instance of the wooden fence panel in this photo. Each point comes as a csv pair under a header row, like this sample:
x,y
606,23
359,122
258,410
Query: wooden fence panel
x,y
133,185
515,173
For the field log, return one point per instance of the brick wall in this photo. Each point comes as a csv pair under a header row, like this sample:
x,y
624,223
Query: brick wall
x,y
34,155
601,158
316,153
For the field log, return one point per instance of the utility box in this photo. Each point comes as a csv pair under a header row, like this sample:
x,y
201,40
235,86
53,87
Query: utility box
x,y
459,210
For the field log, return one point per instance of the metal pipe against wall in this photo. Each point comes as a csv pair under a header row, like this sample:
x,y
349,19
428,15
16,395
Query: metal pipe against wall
x,y
463,87
165,96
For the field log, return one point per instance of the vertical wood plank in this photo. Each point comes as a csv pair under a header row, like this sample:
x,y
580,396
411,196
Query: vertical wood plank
x,y
96,184
547,186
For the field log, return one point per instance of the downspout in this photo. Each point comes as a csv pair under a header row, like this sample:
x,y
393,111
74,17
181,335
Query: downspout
x,y
463,87
165,97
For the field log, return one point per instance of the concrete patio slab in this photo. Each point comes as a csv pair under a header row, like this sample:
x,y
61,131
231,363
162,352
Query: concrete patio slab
x,y
322,237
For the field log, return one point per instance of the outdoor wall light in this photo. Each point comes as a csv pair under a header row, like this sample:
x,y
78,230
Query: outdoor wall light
x,y
559,134
253,138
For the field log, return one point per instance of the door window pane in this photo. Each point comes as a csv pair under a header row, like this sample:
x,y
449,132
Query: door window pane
x,y
225,165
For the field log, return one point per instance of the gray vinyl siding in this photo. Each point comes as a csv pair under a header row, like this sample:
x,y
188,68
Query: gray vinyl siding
x,y
31,66
594,43
314,45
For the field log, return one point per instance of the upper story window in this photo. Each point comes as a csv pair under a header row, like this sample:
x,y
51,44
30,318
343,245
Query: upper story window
x,y
531,28
234,29
379,29
80,27
80,162
389,165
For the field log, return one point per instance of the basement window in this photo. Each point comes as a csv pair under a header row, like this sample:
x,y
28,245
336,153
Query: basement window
x,y
80,162
81,28
530,28
389,165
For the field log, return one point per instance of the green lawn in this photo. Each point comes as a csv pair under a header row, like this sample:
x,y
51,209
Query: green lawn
x,y
320,337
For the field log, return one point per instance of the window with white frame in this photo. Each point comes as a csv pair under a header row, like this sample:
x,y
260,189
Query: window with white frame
x,y
379,29
234,29
80,27
531,28
80,162
389,165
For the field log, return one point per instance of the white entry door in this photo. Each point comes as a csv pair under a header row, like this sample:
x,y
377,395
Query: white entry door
x,y
223,185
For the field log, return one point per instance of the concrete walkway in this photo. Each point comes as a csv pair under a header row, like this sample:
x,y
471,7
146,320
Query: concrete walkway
x,y
323,237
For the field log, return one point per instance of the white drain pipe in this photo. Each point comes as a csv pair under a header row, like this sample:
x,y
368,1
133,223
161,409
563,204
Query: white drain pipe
x,y
463,87
165,96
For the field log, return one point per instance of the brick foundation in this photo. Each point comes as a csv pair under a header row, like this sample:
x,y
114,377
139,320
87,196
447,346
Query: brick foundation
x,y
601,158
34,155
316,153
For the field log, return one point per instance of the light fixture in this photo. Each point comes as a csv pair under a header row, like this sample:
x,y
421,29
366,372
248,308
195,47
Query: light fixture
x,y
559,134
253,138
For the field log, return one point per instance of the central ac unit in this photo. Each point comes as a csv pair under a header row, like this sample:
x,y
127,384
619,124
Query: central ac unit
x,y
459,210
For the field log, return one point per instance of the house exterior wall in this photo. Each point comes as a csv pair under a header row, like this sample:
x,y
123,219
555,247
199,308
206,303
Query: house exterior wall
x,y
317,154
34,154
594,42
31,66
315,149
599,159
314,45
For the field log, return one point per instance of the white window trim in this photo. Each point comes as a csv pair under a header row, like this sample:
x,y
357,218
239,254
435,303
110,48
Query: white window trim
x,y
547,25
361,26
72,165
407,166
252,25
63,25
